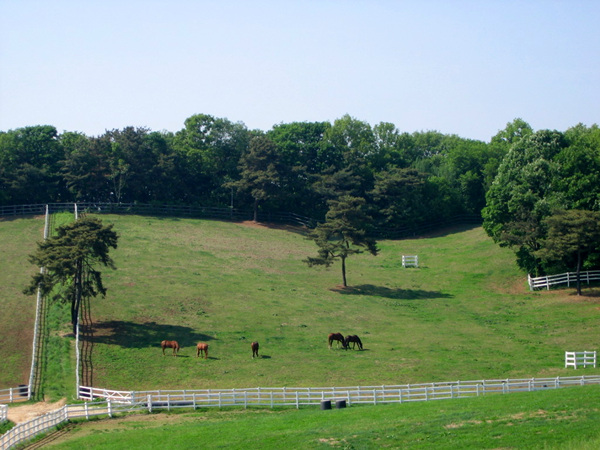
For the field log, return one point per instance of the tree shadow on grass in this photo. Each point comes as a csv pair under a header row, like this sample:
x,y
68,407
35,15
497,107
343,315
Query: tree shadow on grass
x,y
382,291
140,335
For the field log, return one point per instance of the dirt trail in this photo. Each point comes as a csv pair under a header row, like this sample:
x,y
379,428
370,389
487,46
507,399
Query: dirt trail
x,y
23,413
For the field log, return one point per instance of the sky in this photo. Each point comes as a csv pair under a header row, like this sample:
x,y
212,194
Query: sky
x,y
457,67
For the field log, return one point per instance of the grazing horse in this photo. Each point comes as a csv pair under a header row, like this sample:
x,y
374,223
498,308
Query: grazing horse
x,y
339,337
355,340
170,344
202,348
254,347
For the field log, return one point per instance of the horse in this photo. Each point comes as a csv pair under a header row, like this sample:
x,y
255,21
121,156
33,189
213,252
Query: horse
x,y
202,348
254,347
339,337
355,340
170,344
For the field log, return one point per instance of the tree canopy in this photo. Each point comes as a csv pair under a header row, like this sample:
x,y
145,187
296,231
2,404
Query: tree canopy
x,y
343,234
69,261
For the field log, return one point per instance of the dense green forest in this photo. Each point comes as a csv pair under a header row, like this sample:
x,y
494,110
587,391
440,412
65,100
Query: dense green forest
x,y
515,181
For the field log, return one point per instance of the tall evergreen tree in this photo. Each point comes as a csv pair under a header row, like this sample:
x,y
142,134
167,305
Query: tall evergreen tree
x,y
343,234
69,260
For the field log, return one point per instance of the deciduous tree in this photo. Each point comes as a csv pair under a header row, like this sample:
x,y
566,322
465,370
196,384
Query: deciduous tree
x,y
572,235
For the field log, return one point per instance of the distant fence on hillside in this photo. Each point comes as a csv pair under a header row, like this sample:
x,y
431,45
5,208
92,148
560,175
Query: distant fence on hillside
x,y
563,278
207,212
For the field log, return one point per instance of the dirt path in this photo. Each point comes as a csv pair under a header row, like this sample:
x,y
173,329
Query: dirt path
x,y
23,413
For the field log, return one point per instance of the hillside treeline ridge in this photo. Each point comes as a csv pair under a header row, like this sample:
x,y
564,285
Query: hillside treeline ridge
x,y
408,179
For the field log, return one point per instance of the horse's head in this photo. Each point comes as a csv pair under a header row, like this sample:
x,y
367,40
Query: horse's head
x,y
345,342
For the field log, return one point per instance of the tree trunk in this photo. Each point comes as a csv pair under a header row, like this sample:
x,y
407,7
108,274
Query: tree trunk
x,y
256,210
344,271
76,301
578,272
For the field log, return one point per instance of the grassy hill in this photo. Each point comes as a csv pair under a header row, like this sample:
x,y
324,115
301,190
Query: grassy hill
x,y
465,313
18,239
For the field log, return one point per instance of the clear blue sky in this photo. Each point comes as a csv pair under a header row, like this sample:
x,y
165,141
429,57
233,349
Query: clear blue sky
x,y
458,67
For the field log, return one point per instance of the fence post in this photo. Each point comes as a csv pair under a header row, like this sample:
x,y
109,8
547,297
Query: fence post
x,y
109,404
149,403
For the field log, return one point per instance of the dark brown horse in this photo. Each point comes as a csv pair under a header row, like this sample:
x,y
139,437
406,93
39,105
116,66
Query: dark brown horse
x,y
202,348
170,344
339,337
355,341
254,347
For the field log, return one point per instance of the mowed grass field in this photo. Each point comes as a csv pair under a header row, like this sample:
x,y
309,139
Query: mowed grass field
x,y
465,313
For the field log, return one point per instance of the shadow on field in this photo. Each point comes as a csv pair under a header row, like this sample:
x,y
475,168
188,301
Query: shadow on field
x,y
141,335
382,291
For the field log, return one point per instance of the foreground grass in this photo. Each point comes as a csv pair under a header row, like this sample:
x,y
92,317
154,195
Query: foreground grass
x,y
561,419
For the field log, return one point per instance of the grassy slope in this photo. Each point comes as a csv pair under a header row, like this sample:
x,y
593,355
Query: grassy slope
x,y
464,314
17,240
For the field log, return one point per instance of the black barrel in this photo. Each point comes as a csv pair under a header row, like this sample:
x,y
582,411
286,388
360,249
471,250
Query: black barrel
x,y
340,404
325,404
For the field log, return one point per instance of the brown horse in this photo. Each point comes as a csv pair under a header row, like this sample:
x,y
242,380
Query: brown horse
x,y
170,344
339,337
355,341
254,347
202,348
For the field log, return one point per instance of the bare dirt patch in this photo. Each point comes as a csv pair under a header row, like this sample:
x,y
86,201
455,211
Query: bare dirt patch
x,y
273,226
23,413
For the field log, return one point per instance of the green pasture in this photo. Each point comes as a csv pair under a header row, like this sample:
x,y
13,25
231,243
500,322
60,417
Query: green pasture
x,y
465,313
559,419
18,239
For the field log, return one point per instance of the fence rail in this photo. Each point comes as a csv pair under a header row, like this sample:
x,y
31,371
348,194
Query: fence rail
x,y
581,359
15,394
290,396
564,278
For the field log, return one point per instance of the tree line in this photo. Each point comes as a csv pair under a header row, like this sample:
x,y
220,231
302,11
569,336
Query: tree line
x,y
515,181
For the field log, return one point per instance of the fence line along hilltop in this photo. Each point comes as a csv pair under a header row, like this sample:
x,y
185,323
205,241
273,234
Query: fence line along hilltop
x,y
230,214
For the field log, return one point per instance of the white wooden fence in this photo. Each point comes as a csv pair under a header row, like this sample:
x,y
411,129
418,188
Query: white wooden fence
x,y
564,278
116,402
581,359
410,261
15,394
296,397
3,413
